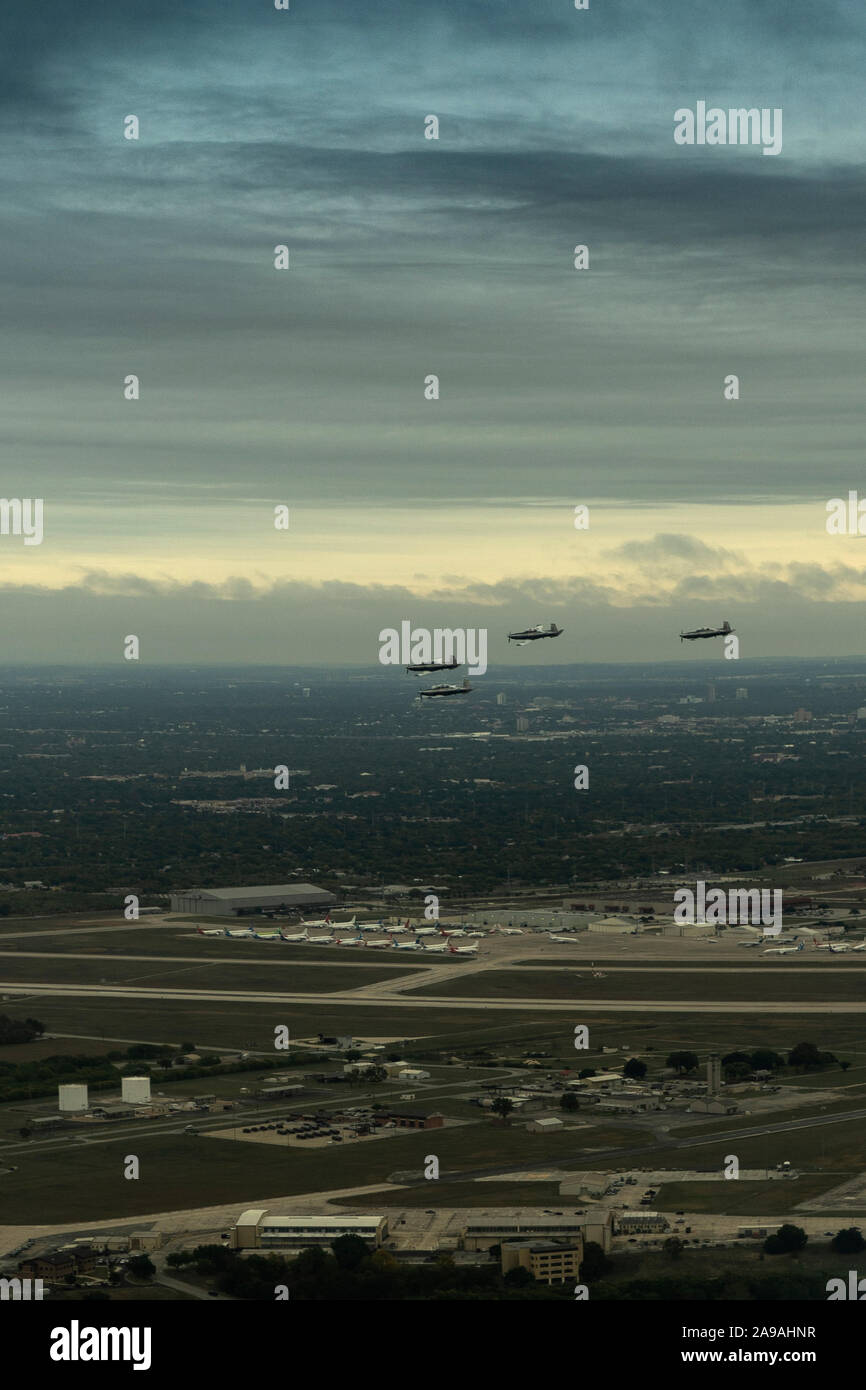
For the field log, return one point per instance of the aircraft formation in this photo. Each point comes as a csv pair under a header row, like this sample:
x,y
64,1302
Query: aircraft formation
x,y
339,934
435,692
521,638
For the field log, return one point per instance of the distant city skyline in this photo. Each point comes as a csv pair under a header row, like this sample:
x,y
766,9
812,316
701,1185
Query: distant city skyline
x,y
410,257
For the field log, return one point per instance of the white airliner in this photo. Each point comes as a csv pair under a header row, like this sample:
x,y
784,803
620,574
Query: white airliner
x,y
861,947
511,931
841,948
463,950
350,941
757,942
377,945
569,940
783,950
440,946
294,935
213,931
247,931
426,931
405,945
319,940
320,922
266,935
452,931
371,926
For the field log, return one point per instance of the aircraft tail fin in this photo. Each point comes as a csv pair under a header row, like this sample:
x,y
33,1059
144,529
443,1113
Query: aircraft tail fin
x,y
726,626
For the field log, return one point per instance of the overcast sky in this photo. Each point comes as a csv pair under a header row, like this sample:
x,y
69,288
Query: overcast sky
x,y
409,257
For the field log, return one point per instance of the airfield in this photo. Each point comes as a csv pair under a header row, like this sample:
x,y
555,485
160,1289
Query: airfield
x,y
502,1017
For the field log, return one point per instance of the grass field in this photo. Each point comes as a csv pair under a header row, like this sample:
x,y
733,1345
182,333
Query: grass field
x,y
735,1198
251,1026
697,985
136,940
86,1183
838,1149
467,1194
239,975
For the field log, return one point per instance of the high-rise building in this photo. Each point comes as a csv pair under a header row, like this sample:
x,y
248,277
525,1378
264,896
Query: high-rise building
x,y
522,724
742,693
500,698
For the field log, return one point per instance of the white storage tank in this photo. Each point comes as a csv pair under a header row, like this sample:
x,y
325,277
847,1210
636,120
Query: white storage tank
x,y
71,1098
135,1089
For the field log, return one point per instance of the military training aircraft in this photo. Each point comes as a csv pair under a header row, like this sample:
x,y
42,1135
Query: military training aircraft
x,y
435,690
699,632
422,667
534,634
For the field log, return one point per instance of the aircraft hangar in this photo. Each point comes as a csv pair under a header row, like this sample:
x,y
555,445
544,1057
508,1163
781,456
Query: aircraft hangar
x,y
231,902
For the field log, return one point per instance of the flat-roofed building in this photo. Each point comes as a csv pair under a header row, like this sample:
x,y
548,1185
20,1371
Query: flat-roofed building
x,y
545,1124
548,1261
627,1222
482,1232
266,897
410,1119
259,1229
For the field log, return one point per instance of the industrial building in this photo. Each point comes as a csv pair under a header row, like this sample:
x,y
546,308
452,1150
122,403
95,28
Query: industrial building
x,y
548,1261
257,1229
268,897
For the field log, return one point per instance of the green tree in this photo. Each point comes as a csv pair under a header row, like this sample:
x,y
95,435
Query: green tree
x,y
673,1247
683,1061
349,1251
141,1267
569,1102
848,1241
178,1258
594,1262
518,1278
502,1106
635,1069
765,1059
804,1056
786,1241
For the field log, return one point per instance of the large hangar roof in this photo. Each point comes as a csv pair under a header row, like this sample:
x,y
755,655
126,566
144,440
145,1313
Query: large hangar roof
x,y
281,890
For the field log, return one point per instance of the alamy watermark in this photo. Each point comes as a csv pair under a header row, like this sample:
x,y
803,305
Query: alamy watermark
x,y
736,126
22,516
737,907
442,646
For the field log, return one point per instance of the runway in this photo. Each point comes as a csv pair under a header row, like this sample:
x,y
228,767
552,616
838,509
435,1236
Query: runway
x,y
385,999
